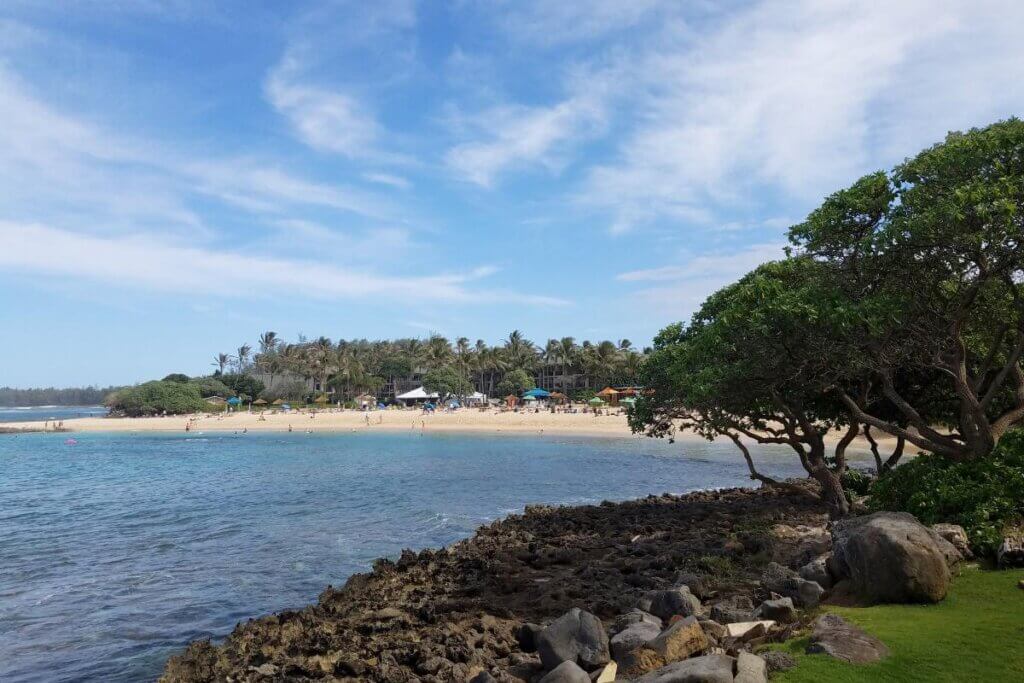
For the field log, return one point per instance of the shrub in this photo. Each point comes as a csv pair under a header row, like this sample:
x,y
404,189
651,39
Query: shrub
x,y
857,482
210,386
984,496
157,398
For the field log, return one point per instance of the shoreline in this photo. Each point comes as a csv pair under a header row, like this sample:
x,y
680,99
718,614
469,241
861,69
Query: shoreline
x,y
391,421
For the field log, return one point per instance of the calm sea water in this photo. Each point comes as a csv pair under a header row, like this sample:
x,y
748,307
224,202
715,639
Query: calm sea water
x,y
30,414
118,550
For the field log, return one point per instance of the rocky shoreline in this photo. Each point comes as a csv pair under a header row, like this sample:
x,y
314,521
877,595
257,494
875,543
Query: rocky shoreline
x,y
665,578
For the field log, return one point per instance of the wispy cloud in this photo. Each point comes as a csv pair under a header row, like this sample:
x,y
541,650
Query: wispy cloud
x,y
149,263
678,289
388,179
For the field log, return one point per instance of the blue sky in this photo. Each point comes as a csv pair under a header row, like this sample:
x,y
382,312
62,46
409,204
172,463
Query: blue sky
x,y
178,178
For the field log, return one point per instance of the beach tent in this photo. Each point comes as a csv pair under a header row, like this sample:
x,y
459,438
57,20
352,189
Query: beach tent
x,y
529,397
366,398
415,396
511,400
476,397
558,397
285,406
596,402
537,393
234,401
610,395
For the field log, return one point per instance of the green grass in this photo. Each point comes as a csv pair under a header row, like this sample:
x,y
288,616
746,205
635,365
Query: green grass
x,y
975,634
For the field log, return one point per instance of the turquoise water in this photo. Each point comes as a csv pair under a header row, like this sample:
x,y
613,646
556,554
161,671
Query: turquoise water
x,y
118,550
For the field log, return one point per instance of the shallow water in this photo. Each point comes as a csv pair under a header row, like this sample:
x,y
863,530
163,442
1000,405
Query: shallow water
x,y
118,550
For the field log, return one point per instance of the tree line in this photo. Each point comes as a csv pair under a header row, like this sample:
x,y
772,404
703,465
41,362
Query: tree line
x,y
348,368
51,396
898,309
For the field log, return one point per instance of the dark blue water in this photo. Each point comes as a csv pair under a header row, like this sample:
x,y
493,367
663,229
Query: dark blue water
x,y
41,413
117,551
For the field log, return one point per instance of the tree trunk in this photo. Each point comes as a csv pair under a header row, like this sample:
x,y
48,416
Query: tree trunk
x,y
832,493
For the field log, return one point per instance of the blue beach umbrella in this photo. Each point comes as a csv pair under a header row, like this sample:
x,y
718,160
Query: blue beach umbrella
x,y
234,401
537,393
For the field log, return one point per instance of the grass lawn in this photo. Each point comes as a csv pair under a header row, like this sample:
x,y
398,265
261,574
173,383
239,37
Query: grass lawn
x,y
975,634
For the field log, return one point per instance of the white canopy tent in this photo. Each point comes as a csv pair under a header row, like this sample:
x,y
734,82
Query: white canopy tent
x,y
419,394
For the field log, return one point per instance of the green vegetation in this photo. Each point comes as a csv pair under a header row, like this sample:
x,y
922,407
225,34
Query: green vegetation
x,y
156,398
985,497
447,383
973,635
515,382
79,396
833,338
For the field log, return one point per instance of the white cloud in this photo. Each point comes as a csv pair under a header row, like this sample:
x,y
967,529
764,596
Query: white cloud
x,y
800,98
324,118
144,261
388,179
512,136
681,288
550,23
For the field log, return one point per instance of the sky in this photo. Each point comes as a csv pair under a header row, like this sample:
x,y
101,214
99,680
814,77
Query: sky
x,y
178,176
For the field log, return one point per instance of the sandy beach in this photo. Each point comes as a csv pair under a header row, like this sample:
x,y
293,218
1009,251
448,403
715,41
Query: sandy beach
x,y
586,424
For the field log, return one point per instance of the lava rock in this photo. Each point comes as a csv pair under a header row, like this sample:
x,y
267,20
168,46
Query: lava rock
x,y
668,603
576,636
633,636
776,660
784,581
817,571
955,534
680,640
781,610
1011,552
732,610
526,636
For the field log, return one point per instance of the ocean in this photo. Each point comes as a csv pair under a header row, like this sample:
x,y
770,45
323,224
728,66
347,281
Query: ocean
x,y
116,550
33,413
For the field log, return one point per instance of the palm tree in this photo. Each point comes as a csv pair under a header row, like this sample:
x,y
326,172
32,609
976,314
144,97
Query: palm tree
x,y
568,352
243,358
268,342
520,351
438,352
221,360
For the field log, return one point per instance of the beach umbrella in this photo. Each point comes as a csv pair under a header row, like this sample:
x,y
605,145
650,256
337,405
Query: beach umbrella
x,y
285,406
629,401
596,402
278,402
537,393
234,401
608,391
322,398
528,397
259,402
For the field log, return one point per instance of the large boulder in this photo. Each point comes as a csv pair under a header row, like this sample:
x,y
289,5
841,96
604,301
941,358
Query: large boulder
x,y
834,636
787,582
668,603
891,557
706,669
566,672
576,636
633,616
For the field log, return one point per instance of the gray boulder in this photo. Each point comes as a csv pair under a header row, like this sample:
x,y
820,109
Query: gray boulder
x,y
697,584
576,636
566,672
781,610
1011,552
834,636
787,582
817,571
706,669
750,669
668,603
632,637
776,660
891,557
